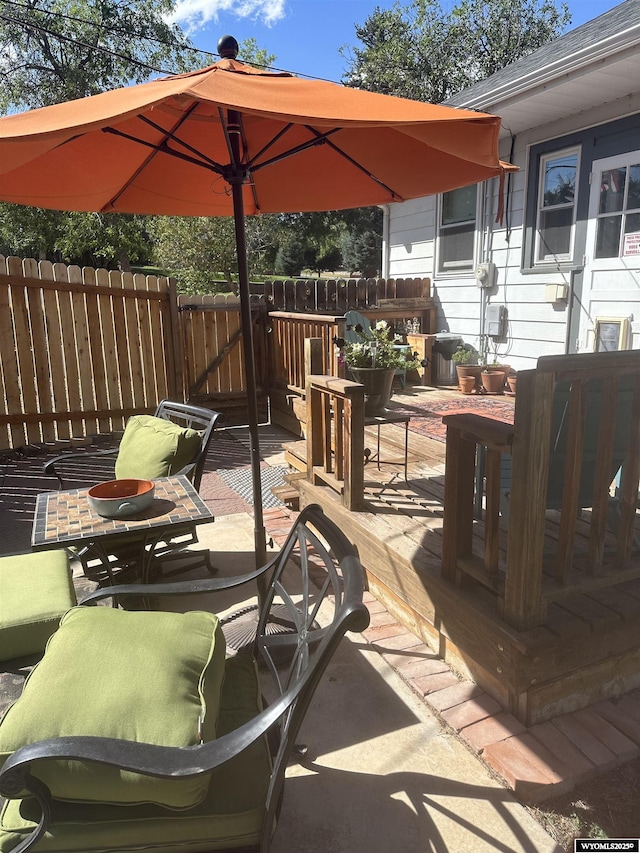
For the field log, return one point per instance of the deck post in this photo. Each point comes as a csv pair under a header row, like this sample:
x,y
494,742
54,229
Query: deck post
x,y
457,529
530,465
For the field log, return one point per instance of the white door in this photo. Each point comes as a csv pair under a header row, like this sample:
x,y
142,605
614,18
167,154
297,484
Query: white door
x,y
611,295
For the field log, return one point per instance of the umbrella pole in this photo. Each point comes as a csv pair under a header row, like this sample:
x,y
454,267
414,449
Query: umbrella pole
x,y
260,542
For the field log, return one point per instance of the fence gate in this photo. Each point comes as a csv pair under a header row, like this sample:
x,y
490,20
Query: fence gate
x,y
213,353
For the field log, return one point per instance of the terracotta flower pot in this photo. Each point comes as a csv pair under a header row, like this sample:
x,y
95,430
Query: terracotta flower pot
x,y
492,381
469,370
467,384
511,382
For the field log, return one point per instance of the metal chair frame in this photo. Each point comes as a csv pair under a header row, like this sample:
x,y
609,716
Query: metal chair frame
x,y
328,573
182,414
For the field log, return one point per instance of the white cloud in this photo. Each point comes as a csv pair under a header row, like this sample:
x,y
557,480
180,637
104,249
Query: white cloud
x,y
194,14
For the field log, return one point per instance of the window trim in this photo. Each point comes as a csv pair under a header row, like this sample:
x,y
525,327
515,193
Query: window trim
x,y
554,261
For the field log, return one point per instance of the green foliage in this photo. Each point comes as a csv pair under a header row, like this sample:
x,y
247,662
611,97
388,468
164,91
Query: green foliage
x,y
465,355
361,241
376,348
196,250
65,49
423,52
291,258
104,240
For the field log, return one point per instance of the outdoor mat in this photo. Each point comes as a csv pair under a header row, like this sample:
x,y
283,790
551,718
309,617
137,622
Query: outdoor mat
x,y
239,479
226,452
426,415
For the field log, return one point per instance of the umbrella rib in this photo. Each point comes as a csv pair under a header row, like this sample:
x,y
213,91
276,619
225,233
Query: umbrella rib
x,y
171,135
272,142
304,146
163,148
157,148
319,139
322,139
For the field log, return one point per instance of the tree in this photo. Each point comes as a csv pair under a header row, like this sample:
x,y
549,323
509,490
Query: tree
x,y
64,49
362,241
67,49
198,251
419,51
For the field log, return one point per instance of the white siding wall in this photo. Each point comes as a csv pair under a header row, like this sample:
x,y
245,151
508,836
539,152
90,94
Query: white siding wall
x,y
536,327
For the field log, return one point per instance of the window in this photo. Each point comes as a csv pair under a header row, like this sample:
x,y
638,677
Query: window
x,y
618,217
457,230
556,206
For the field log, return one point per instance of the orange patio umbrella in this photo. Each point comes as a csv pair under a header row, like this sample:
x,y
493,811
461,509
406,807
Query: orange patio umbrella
x,y
230,140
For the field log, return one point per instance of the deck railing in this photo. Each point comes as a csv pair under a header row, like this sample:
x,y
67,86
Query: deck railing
x,y
335,437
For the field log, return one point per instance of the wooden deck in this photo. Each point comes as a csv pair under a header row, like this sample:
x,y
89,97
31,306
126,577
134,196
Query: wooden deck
x,y
588,647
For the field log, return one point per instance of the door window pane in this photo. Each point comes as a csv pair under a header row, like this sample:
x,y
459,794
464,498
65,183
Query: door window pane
x,y
608,237
612,190
633,198
618,211
632,225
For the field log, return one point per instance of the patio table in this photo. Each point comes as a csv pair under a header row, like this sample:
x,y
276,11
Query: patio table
x,y
389,417
65,519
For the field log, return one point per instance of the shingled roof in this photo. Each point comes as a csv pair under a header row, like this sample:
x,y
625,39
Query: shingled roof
x,y
606,31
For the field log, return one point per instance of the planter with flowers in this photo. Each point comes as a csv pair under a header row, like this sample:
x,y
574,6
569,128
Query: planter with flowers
x,y
373,361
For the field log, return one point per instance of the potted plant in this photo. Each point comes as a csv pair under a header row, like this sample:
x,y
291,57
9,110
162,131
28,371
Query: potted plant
x,y
465,359
373,360
492,377
502,369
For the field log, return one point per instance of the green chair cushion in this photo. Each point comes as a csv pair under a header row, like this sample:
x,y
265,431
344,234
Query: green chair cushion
x,y
154,447
151,677
231,814
36,590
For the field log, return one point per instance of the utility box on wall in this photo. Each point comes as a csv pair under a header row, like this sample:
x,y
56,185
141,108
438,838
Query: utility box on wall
x,y
496,321
556,293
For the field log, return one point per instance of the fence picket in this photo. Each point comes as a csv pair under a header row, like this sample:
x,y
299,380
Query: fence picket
x,y
24,349
15,432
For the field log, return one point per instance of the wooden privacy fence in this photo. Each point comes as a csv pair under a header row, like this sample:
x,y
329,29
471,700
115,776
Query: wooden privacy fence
x,y
335,296
81,349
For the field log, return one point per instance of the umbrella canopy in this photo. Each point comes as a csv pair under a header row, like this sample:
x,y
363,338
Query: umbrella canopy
x,y
163,147
229,140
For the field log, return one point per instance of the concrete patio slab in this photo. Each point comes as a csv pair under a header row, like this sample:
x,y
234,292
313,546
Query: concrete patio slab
x,y
382,772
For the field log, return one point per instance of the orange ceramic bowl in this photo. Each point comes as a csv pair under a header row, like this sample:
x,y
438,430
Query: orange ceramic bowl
x,y
117,498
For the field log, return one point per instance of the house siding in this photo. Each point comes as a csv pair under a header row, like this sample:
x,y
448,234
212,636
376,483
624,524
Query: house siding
x,y
535,327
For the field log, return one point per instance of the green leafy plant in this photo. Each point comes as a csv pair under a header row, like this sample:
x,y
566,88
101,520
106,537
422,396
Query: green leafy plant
x,y
465,355
378,348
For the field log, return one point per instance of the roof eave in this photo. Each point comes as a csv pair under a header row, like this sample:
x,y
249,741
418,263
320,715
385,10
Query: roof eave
x,y
592,55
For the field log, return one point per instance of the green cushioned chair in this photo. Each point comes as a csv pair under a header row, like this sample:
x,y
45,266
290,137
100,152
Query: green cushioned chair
x,y
135,733
36,590
174,440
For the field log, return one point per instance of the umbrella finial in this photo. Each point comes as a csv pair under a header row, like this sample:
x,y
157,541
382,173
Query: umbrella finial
x,y
228,47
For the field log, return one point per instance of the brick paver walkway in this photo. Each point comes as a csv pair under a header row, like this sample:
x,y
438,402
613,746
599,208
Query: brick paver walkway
x,y
538,763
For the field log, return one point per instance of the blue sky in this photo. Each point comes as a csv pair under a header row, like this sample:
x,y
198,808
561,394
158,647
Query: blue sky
x,y
306,35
